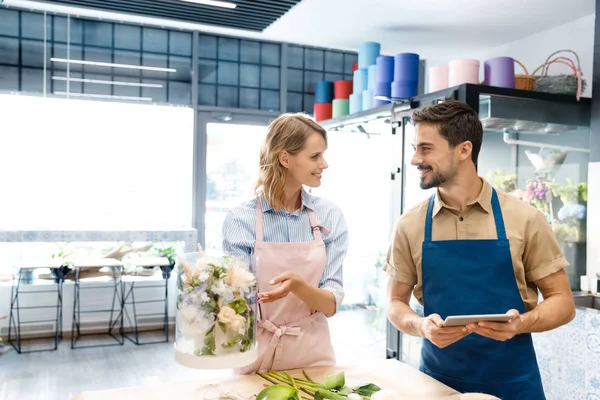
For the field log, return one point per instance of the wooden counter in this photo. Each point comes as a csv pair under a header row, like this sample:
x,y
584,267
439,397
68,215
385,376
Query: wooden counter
x,y
405,381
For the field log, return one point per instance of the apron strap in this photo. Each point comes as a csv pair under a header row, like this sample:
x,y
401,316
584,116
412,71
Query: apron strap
x,y
259,220
317,227
496,210
498,219
428,218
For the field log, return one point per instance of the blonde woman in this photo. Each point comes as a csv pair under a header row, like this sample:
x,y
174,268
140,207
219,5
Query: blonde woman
x,y
300,242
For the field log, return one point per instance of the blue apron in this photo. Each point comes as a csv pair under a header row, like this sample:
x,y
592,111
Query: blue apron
x,y
463,277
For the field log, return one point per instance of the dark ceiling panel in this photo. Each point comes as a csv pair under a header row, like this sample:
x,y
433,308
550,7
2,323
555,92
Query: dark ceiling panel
x,y
254,15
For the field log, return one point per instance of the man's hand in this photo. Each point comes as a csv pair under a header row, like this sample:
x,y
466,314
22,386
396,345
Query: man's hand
x,y
431,328
288,281
501,331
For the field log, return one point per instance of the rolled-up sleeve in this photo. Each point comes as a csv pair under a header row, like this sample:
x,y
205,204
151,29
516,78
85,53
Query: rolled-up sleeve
x,y
236,239
399,262
336,247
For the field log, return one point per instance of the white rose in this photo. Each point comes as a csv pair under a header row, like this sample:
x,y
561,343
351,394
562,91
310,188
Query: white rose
x,y
204,297
189,312
240,277
198,325
238,324
226,314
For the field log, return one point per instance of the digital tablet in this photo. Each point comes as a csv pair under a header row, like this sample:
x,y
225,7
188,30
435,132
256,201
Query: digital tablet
x,y
462,320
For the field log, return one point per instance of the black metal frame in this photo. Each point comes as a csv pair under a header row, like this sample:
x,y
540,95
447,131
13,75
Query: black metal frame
x,y
15,309
166,273
112,323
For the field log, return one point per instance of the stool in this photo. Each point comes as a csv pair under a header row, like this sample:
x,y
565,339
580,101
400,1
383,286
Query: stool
x,y
59,271
117,302
166,269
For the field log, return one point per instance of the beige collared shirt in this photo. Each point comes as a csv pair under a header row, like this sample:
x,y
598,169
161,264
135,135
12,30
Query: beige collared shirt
x,y
534,249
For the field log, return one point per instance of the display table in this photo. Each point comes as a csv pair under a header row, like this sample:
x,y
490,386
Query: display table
x,y
407,382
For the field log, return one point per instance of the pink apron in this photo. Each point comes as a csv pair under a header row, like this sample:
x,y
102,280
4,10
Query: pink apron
x,y
290,334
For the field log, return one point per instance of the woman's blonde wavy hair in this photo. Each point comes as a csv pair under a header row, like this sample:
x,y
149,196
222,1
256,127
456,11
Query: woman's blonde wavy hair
x,y
287,132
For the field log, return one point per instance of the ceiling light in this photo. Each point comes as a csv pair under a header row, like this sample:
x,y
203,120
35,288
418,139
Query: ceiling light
x,y
104,64
103,82
102,96
215,3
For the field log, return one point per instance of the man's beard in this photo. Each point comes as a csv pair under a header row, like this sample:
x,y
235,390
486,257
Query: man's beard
x,y
435,178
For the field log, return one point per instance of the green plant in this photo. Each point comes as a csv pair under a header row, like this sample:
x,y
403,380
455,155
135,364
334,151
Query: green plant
x,y
62,253
505,182
571,193
169,252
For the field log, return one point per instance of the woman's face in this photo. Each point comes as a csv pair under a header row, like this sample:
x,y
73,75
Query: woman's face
x,y
306,167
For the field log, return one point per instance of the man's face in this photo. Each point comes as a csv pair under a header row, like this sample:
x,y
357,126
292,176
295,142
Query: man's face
x,y
434,158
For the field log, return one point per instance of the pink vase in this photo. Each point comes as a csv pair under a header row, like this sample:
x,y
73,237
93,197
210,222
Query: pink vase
x,y
463,71
438,78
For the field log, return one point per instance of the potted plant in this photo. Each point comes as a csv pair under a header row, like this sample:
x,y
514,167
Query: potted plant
x,y
571,217
170,253
61,273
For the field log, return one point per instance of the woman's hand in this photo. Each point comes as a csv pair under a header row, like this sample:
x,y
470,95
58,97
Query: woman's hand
x,y
288,283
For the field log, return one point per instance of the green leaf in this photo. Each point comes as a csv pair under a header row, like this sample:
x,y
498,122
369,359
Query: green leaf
x,y
367,390
223,327
323,394
239,306
335,381
346,390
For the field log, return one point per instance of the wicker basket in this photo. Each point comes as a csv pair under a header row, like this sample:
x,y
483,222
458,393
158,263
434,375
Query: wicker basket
x,y
572,84
524,82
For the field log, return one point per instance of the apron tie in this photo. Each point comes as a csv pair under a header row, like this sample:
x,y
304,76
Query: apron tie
x,y
273,351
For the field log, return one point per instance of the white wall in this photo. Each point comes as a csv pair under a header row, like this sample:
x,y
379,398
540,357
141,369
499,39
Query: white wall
x,y
533,50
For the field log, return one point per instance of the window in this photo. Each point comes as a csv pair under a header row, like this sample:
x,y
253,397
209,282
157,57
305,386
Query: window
x,y
91,165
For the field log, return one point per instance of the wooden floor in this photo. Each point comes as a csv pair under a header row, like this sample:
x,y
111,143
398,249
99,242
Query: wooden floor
x,y
62,374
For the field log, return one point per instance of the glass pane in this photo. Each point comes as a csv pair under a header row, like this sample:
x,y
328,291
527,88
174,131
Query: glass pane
x,y
100,55
269,77
155,60
269,100
180,93
133,127
155,40
364,279
10,22
294,102
227,96
249,75
228,73
32,80
183,67
231,172
180,43
228,49
249,51
270,54
128,37
157,94
208,47
349,59
61,51
128,57
129,91
9,78
334,61
333,77
9,51
295,57
76,30
98,33
249,98
309,102
294,80
207,69
32,53
310,80
64,86
32,25
96,87
313,59
207,95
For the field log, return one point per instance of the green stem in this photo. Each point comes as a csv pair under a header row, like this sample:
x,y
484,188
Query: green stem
x,y
306,376
268,378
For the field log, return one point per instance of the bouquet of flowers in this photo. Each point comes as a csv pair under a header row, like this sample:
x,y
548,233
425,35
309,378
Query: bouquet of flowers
x,y
216,305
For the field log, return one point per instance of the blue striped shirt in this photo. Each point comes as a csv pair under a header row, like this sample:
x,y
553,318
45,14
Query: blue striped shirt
x,y
239,234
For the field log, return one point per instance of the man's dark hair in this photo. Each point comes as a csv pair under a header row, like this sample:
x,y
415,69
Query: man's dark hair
x,y
456,121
